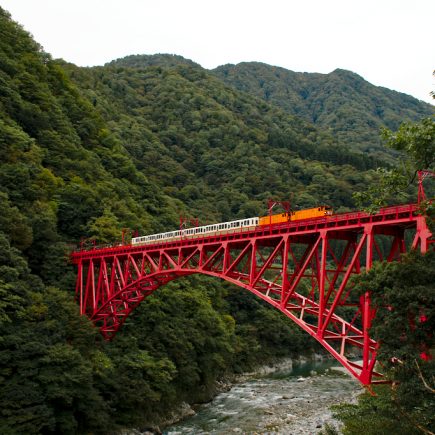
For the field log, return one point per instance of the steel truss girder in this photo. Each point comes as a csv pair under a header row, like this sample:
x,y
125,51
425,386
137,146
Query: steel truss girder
x,y
305,274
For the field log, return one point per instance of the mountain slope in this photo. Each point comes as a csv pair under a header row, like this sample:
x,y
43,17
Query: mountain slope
x,y
215,149
342,102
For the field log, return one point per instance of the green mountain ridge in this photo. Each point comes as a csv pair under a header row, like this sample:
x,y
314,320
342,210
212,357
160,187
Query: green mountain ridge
x,y
341,102
206,140
144,60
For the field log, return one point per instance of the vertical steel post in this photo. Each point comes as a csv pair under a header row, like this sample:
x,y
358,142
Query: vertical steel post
x,y
253,267
284,257
366,372
79,285
226,257
322,279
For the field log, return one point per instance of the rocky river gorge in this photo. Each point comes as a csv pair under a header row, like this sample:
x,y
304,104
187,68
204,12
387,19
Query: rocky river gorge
x,y
288,399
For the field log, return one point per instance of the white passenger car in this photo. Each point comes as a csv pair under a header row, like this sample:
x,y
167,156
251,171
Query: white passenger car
x,y
207,230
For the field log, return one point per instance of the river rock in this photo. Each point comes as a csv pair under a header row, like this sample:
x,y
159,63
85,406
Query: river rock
x,y
259,405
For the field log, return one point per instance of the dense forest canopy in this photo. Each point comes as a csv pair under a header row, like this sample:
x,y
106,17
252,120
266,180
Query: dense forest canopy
x,y
86,152
341,102
205,140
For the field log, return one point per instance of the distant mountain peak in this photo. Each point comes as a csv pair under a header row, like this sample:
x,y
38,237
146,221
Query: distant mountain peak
x,y
346,73
159,59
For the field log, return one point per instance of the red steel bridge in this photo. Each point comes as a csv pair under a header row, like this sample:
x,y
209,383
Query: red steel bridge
x,y
302,268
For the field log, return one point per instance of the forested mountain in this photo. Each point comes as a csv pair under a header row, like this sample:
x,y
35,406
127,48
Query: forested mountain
x,y
218,152
342,102
85,152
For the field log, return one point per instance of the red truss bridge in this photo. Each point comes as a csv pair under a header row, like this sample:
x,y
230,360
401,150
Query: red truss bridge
x,y
302,268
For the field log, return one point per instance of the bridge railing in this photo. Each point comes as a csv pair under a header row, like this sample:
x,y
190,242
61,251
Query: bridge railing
x,y
391,212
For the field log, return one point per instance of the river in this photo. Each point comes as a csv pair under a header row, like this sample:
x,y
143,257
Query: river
x,y
291,401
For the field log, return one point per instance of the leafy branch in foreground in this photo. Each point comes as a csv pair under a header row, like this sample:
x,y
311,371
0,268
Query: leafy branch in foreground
x,y
391,183
416,140
416,143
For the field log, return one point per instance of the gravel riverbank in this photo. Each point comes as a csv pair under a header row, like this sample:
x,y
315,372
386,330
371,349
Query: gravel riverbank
x,y
290,399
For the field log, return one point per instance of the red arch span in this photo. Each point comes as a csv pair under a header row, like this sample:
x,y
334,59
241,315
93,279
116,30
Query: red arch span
x,y
301,268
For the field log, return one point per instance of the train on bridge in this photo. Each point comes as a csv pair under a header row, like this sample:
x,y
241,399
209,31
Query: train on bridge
x,y
242,225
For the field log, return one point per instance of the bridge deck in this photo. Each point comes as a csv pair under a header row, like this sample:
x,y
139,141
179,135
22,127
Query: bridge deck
x,y
403,215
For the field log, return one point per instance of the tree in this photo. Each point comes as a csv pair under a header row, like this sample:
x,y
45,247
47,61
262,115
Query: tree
x,y
105,228
405,296
47,368
416,144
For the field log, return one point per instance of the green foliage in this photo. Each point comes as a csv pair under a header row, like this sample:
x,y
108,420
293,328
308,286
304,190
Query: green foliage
x,y
13,282
390,187
14,224
404,328
218,153
416,142
180,323
78,161
105,228
142,61
373,415
46,375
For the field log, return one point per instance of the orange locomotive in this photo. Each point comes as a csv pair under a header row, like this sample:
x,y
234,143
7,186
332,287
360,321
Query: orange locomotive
x,y
308,213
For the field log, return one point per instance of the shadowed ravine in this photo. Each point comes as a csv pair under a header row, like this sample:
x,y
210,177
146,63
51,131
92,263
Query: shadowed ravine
x,y
292,401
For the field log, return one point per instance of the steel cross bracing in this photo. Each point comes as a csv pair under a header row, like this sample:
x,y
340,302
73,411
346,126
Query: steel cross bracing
x,y
301,268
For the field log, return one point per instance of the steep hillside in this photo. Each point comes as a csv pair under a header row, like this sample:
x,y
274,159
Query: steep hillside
x,y
342,102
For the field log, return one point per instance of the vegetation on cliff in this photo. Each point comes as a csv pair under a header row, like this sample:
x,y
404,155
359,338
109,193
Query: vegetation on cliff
x,y
67,171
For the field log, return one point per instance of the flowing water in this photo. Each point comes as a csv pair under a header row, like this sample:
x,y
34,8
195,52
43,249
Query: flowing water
x,y
294,401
